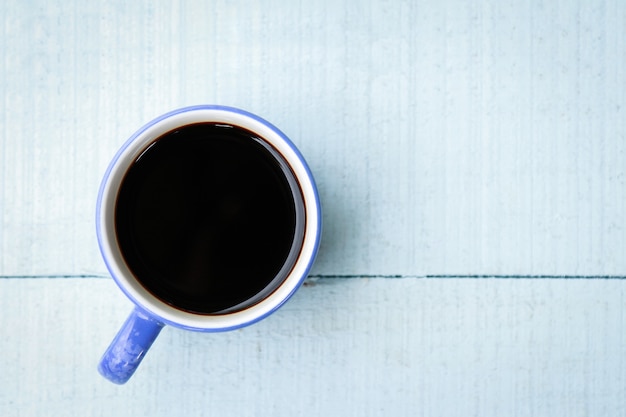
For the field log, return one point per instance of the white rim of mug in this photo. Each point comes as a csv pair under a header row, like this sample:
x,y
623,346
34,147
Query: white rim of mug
x,y
106,210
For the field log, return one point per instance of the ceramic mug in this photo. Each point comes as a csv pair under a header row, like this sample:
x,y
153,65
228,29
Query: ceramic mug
x,y
191,255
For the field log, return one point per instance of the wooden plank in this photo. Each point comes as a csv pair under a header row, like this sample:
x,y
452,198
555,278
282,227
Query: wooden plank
x,y
365,347
447,137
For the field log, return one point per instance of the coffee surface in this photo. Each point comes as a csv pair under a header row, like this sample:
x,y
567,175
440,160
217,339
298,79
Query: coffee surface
x,y
205,218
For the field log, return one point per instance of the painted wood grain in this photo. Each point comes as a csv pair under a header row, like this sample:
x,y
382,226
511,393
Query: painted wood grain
x,y
350,347
447,137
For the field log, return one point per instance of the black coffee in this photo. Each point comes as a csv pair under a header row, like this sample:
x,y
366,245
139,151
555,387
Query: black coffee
x,y
205,218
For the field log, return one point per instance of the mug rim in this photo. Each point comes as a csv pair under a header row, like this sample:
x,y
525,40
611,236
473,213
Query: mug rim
x,y
106,202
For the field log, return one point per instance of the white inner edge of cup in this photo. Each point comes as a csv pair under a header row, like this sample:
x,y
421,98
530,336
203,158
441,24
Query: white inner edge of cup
x,y
149,302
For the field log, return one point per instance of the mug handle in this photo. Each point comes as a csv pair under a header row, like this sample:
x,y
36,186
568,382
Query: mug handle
x,y
129,346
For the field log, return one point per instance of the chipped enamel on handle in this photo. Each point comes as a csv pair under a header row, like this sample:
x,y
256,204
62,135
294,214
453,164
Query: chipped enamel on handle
x,y
129,346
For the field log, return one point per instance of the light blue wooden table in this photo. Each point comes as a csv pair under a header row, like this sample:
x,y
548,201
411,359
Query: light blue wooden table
x,y
471,160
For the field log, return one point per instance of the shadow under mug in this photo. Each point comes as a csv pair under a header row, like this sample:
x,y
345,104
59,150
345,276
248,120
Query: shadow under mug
x,y
212,145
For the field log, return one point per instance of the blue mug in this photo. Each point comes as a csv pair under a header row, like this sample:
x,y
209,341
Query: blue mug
x,y
162,304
